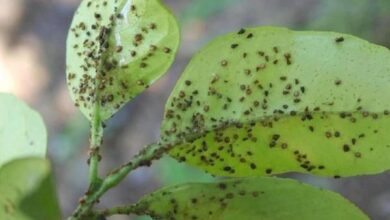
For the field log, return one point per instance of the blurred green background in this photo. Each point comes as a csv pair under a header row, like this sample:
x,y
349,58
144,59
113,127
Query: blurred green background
x,y
32,63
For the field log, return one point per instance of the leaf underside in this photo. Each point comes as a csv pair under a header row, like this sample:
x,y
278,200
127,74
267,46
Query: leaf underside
x,y
27,191
270,100
249,199
115,50
22,131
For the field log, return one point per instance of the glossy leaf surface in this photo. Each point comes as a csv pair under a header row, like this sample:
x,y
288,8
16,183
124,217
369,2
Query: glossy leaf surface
x,y
22,131
270,100
27,191
115,50
249,199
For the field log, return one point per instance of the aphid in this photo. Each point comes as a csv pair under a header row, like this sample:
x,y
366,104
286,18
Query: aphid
x,y
346,148
250,35
337,82
241,31
143,65
98,16
339,39
224,63
153,47
167,50
140,83
138,37
233,46
124,85
187,82
253,166
119,16
152,26
275,137
287,57
119,49
260,67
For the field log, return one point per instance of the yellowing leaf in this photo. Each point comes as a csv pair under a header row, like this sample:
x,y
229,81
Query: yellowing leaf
x,y
270,100
249,199
115,50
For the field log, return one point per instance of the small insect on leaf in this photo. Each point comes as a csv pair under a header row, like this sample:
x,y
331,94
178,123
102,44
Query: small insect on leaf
x,y
115,43
289,107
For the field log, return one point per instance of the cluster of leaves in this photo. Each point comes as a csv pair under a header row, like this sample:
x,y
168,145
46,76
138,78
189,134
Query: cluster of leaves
x,y
257,102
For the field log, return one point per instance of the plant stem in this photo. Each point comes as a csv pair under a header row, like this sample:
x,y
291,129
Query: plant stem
x,y
96,140
144,158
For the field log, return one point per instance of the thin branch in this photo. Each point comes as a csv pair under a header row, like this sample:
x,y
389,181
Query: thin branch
x,y
144,158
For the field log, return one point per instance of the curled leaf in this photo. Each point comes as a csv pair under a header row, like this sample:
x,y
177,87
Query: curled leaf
x,y
115,50
249,199
22,131
270,100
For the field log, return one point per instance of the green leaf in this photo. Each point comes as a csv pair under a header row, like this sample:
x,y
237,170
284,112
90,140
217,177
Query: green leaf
x,y
115,50
270,100
27,191
170,171
22,131
249,199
